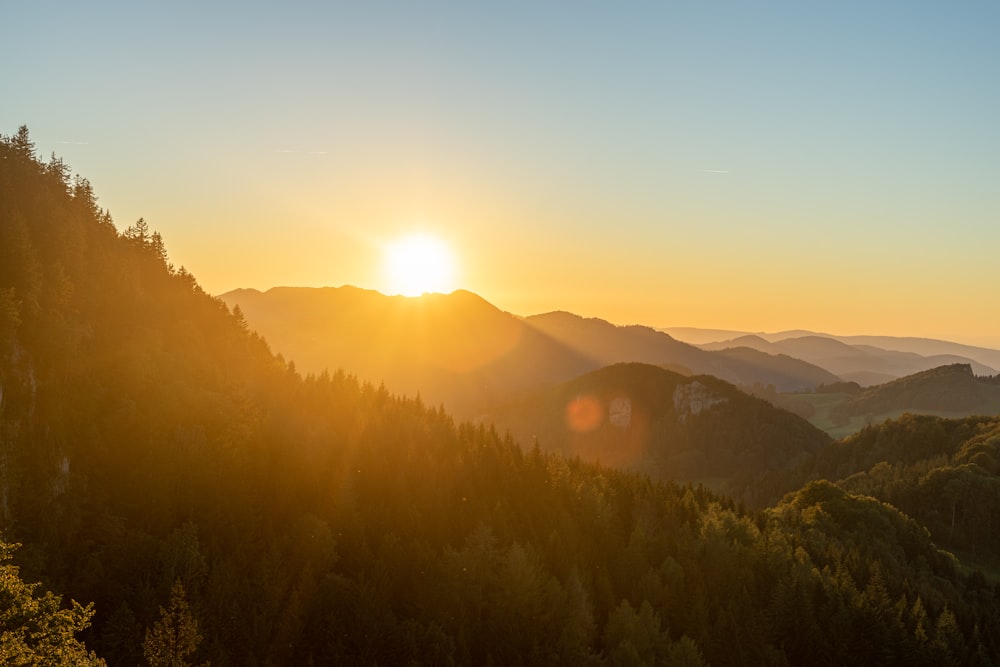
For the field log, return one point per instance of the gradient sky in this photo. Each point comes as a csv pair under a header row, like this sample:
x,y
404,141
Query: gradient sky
x,y
757,166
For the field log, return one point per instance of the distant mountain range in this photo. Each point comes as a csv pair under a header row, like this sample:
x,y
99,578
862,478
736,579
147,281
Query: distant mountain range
x,y
867,360
460,350
607,344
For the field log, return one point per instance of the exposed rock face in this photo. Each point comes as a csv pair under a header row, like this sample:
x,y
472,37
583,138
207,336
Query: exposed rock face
x,y
620,412
694,397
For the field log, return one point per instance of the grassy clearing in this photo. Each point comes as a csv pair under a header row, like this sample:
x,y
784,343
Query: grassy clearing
x,y
970,562
823,405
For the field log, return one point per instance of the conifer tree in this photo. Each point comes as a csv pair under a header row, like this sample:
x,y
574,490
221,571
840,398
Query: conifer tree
x,y
173,639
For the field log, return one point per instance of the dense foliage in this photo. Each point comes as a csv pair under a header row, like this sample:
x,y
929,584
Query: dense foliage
x,y
945,473
950,389
671,427
36,630
157,460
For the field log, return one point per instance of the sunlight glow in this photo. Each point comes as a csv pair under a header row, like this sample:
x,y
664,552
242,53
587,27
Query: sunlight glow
x,y
417,264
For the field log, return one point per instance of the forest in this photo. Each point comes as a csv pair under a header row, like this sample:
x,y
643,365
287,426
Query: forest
x,y
172,492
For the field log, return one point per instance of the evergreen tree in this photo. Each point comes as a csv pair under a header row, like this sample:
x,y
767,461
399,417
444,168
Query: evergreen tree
x,y
174,639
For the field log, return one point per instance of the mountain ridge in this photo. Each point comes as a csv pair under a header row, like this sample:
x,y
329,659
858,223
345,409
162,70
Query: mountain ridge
x,y
464,351
952,389
862,363
987,356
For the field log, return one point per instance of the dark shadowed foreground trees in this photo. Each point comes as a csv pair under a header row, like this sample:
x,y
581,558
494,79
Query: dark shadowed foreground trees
x,y
151,444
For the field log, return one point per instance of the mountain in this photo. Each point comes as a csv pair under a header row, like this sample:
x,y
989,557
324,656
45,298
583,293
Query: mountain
x,y
459,350
952,389
925,347
699,336
215,504
928,347
451,348
609,344
785,373
865,364
645,418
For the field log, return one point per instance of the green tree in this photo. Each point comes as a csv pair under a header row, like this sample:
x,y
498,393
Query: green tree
x,y
36,630
635,638
22,143
173,639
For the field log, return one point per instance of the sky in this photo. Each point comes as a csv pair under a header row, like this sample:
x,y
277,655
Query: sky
x,y
757,166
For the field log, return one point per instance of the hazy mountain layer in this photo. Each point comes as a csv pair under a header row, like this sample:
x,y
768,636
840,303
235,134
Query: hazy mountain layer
x,y
863,364
609,344
462,351
455,348
864,359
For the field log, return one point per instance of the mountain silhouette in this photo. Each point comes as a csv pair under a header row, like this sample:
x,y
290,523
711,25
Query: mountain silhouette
x,y
453,348
462,351
611,344
862,363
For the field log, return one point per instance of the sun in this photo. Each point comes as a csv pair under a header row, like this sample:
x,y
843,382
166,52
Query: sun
x,y
419,263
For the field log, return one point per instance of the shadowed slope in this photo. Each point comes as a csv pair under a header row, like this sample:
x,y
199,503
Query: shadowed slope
x,y
646,418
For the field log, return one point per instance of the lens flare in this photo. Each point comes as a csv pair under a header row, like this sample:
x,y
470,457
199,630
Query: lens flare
x,y
584,414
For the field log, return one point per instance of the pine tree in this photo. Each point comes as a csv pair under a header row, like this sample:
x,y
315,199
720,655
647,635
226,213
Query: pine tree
x,y
173,639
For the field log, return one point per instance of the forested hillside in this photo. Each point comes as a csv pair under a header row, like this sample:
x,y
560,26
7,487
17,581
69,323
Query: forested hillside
x,y
945,473
158,461
844,408
671,427
952,389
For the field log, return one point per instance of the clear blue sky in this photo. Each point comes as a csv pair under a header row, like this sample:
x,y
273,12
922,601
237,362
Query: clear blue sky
x,y
758,166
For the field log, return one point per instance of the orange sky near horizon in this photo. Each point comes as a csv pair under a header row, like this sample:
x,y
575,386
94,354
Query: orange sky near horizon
x,y
717,165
